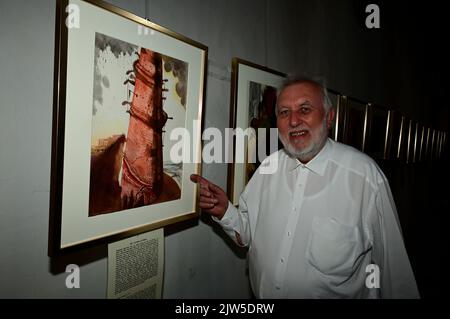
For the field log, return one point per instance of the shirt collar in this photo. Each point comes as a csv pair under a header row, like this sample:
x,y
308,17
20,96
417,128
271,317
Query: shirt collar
x,y
318,164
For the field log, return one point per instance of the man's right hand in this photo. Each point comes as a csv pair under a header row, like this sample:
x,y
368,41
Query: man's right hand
x,y
213,200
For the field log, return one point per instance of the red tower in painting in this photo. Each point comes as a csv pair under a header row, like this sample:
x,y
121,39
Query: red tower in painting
x,y
142,166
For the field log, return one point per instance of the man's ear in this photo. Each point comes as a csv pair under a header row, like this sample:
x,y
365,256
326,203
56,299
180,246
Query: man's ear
x,y
330,117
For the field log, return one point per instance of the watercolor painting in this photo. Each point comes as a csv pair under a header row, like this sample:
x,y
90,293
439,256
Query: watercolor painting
x,y
261,114
138,96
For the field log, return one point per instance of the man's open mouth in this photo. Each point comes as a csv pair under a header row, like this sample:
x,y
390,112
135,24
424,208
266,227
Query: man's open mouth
x,y
298,133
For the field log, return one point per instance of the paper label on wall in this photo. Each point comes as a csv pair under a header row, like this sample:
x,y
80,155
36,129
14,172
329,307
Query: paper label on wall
x,y
135,266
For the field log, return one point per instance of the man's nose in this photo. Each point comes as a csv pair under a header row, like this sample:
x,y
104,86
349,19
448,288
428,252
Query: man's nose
x,y
295,119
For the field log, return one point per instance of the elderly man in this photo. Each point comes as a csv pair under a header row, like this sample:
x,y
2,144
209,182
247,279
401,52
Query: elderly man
x,y
325,224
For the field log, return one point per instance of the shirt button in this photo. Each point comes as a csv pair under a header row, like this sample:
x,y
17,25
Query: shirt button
x,y
289,233
282,260
277,287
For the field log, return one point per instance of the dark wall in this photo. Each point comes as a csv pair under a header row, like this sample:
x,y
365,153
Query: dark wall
x,y
421,194
414,63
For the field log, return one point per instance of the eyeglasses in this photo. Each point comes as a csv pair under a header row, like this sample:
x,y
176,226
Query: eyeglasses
x,y
303,109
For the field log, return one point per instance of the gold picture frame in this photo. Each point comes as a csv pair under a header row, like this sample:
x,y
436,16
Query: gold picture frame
x,y
427,142
403,141
421,143
411,144
355,123
338,101
252,107
378,131
122,84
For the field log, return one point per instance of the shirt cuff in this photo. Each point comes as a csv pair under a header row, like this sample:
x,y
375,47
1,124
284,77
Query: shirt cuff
x,y
229,219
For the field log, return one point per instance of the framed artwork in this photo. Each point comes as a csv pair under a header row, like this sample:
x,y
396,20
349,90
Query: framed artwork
x,y
433,139
420,143
403,141
355,127
439,145
123,85
427,143
416,142
378,131
435,144
444,141
412,144
393,140
338,102
252,110
438,140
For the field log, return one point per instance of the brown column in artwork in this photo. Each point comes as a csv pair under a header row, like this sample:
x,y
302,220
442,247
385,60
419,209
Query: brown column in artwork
x,y
142,167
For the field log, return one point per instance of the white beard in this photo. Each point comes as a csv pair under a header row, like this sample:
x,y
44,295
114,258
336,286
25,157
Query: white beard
x,y
317,142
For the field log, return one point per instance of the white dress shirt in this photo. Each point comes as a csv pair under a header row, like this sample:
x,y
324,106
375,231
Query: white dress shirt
x,y
313,229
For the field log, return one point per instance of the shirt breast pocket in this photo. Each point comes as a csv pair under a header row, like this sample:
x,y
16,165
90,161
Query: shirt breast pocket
x,y
333,247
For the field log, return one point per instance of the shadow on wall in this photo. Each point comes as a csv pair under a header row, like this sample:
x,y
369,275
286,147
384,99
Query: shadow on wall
x,y
91,254
240,252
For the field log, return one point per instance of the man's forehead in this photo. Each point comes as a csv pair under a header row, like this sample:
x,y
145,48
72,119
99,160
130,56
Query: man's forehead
x,y
301,91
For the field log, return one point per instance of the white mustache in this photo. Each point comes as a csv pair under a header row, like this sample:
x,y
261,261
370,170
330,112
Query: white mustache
x,y
298,129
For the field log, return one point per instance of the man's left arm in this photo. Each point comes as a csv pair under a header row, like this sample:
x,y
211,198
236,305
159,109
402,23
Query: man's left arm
x,y
389,252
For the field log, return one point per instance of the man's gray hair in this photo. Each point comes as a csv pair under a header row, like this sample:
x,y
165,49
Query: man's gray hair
x,y
320,83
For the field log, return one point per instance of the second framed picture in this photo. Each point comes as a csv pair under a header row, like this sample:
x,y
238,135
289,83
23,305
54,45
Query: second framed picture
x,y
378,132
253,101
337,127
355,127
